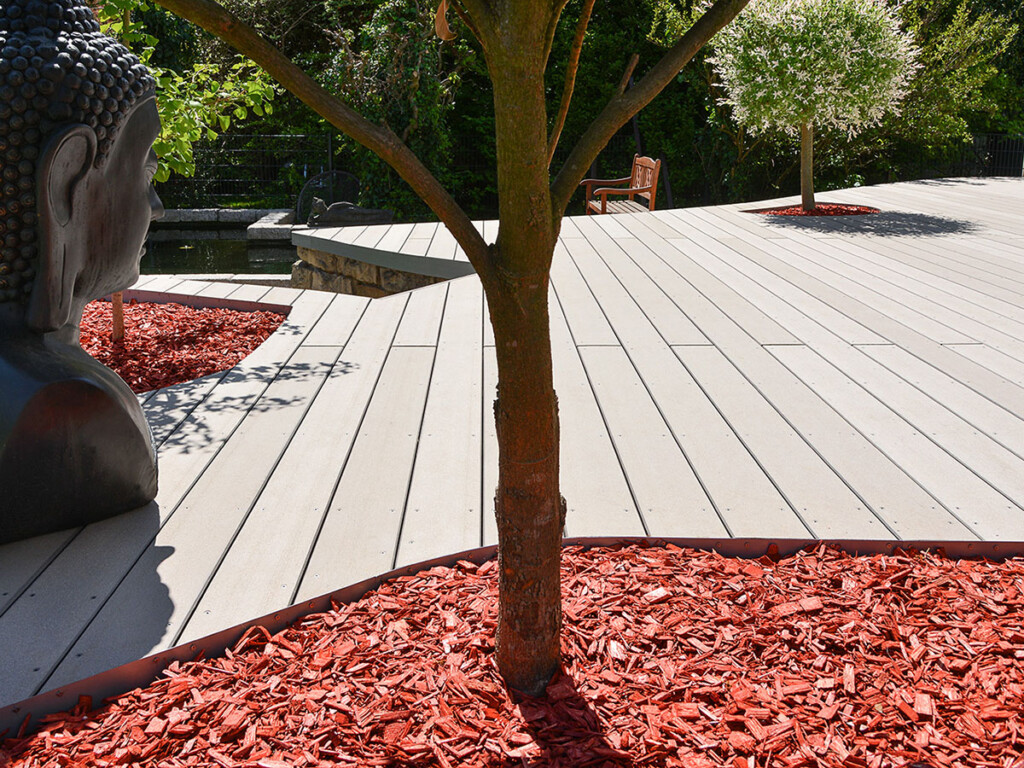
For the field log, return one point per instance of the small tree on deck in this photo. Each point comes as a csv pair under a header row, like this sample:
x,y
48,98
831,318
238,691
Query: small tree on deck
x,y
515,37
795,64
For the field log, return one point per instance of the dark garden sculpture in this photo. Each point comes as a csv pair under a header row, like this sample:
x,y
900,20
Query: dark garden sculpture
x,y
77,124
345,214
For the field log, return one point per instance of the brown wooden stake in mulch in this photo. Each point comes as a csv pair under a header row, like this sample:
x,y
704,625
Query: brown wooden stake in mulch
x,y
671,658
166,344
117,310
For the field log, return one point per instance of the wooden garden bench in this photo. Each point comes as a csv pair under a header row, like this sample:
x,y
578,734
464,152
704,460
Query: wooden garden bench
x,y
643,183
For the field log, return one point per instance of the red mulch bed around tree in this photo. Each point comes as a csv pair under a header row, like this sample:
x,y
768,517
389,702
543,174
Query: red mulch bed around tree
x,y
167,344
672,658
822,209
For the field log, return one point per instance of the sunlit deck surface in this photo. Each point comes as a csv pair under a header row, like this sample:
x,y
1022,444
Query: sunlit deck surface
x,y
720,374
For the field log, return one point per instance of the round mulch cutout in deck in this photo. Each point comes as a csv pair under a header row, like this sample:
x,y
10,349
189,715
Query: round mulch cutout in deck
x,y
671,658
822,209
167,344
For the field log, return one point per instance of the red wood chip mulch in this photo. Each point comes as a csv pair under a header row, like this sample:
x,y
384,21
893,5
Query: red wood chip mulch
x,y
822,209
672,658
167,344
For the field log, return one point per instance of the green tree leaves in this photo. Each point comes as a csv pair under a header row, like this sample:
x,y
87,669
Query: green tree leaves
x,y
196,102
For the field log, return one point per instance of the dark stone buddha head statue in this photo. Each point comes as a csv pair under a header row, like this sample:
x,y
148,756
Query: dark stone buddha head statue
x,y
77,124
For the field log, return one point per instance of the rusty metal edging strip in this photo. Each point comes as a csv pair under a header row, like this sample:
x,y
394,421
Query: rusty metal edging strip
x,y
135,674
205,302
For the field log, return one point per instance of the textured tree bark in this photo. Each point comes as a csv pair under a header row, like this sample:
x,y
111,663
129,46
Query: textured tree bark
x,y
529,508
528,503
807,166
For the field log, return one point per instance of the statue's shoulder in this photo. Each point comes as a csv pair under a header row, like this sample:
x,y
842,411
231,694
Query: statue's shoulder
x,y
63,398
72,452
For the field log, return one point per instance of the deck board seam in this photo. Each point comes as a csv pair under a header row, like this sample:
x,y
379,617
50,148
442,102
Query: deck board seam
x,y
658,407
707,395
419,433
341,470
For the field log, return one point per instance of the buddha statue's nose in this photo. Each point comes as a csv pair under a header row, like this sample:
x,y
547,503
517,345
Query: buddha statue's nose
x,y
155,203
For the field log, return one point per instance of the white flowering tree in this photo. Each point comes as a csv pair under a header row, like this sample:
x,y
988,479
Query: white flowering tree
x,y
792,65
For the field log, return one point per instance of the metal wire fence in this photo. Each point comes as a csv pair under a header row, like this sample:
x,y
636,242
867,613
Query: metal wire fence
x,y
250,171
269,171
993,154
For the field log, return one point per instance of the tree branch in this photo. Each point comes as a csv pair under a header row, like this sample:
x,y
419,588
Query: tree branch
x,y
630,67
462,14
478,15
217,20
570,76
549,37
622,107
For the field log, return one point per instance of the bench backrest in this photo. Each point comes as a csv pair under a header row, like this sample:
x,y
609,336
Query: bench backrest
x,y
645,175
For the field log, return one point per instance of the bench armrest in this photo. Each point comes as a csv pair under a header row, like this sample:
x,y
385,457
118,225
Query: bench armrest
x,y
617,191
592,182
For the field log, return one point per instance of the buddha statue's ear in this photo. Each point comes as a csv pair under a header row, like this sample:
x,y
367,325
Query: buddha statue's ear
x,y
63,166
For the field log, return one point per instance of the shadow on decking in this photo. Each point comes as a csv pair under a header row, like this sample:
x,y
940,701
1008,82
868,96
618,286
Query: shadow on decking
x,y
188,425
90,568
884,224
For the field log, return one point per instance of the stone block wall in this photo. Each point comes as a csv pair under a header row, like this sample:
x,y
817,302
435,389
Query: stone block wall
x,y
322,271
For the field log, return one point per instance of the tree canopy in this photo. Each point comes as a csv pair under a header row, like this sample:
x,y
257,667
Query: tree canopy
x,y
801,64
831,63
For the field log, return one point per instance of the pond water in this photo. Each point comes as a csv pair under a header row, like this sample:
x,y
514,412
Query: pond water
x,y
171,252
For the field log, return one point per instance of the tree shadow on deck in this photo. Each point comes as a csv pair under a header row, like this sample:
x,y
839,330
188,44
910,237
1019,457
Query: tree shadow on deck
x,y
883,224
180,416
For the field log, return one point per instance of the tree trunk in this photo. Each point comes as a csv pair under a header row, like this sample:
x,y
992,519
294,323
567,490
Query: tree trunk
x,y
528,505
529,509
807,166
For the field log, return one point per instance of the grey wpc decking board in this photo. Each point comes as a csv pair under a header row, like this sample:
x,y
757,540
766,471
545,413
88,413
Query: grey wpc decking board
x,y
446,477
896,498
923,198
217,505
942,306
824,501
371,488
422,319
250,292
219,290
997,422
800,255
929,298
961,285
988,513
669,495
819,337
260,573
978,376
744,497
868,421
23,561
